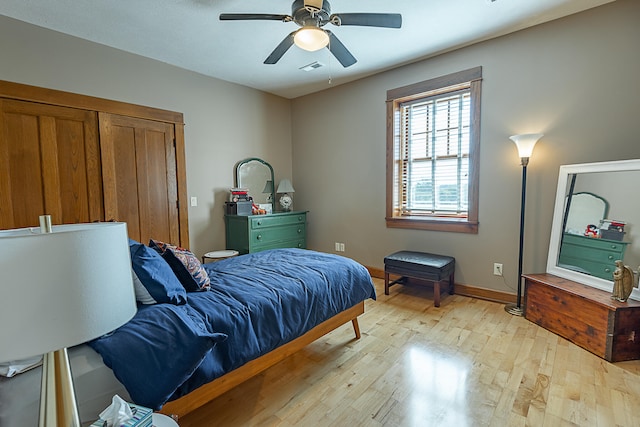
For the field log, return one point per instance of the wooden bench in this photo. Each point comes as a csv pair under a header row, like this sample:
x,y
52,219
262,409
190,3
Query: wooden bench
x,y
423,266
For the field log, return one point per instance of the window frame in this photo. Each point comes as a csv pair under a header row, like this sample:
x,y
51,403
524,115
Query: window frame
x,y
425,89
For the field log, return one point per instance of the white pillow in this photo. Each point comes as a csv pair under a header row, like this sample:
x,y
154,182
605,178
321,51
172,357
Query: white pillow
x,y
142,294
9,369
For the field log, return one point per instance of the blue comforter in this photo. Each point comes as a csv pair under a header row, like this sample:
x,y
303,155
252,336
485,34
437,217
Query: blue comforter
x,y
256,303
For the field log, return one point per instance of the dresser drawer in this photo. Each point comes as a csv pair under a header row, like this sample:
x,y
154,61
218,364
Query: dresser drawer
x,y
278,234
590,254
276,221
592,243
602,270
299,243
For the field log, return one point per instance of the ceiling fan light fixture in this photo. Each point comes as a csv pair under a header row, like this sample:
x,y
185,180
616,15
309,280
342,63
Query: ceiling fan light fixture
x,y
311,38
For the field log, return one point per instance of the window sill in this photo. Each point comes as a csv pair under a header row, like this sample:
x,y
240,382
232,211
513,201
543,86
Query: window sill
x,y
434,224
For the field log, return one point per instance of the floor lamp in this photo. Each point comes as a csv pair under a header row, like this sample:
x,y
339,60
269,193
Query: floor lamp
x,y
525,144
62,286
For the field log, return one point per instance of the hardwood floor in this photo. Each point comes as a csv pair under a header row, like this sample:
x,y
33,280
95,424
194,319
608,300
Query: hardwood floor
x,y
467,363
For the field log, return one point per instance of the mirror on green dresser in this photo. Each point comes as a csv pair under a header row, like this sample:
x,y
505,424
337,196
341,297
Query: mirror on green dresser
x,y
596,194
256,175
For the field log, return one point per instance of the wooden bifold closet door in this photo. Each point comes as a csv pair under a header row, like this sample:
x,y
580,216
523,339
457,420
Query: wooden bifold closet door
x,y
49,164
84,159
139,176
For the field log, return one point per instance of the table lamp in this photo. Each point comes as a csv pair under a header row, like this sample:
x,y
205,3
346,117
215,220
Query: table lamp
x,y
285,200
62,286
268,189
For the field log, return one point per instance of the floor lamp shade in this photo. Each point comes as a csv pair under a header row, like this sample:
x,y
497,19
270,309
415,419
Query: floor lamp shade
x,y
62,286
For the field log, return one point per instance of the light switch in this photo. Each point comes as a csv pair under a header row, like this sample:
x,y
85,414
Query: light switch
x,y
194,201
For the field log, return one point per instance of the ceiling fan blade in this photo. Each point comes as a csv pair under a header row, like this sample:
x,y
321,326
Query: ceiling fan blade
x,y
253,17
341,53
280,50
386,20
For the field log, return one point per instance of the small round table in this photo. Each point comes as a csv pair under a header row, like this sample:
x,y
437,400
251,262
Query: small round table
x,y
219,255
161,420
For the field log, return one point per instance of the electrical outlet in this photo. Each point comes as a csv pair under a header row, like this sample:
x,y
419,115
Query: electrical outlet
x,y
341,247
497,269
194,201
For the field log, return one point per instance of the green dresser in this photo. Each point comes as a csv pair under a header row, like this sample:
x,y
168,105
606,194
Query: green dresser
x,y
593,256
256,233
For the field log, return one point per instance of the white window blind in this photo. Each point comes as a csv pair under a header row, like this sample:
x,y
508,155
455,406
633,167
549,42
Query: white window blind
x,y
434,155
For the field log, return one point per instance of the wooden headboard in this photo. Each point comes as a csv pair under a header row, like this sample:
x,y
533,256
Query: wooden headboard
x,y
83,159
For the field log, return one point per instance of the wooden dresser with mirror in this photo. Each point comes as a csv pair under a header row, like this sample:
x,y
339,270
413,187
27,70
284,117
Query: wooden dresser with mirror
x,y
573,298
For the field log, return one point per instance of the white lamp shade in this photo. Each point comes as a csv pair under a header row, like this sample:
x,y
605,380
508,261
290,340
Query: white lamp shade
x,y
285,187
63,288
311,38
525,143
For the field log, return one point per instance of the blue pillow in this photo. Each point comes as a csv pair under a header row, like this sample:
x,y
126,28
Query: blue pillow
x,y
184,264
157,351
156,275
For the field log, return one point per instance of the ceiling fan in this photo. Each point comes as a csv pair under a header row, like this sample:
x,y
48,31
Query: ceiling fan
x,y
312,16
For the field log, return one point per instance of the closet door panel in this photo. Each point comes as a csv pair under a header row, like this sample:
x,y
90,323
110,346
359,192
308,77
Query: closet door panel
x,y
139,176
49,162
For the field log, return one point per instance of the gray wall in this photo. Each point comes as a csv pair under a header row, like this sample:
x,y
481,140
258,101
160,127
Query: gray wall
x,y
574,79
216,113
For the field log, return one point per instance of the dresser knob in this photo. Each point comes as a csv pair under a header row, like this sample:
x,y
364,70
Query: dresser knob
x,y
299,230
607,270
299,245
259,237
299,218
614,246
610,256
259,222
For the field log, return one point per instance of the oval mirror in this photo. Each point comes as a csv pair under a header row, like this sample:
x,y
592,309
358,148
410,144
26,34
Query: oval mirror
x,y
256,175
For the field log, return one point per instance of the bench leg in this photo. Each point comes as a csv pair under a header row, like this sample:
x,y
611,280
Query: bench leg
x,y
451,285
386,283
436,294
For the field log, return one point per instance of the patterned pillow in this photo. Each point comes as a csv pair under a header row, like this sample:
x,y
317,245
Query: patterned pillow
x,y
156,275
184,264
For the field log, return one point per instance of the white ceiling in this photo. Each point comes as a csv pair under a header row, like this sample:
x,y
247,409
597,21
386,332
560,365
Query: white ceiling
x,y
188,33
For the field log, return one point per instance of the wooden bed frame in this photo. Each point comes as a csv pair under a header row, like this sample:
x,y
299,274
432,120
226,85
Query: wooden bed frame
x,y
221,385
92,151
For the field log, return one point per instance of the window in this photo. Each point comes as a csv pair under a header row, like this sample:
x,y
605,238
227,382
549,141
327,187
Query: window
x,y
433,139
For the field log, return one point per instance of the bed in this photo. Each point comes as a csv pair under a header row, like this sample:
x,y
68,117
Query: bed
x,y
121,146
259,308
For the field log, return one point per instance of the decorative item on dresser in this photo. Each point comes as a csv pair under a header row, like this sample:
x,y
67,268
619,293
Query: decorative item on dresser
x,y
254,233
284,188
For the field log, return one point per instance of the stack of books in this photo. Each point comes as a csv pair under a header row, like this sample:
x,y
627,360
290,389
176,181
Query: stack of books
x,y
612,229
239,195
